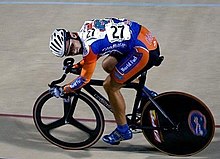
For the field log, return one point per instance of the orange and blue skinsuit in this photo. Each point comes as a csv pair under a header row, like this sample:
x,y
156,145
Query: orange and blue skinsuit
x,y
126,38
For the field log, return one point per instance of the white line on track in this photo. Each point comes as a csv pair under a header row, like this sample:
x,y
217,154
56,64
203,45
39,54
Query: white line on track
x,y
132,4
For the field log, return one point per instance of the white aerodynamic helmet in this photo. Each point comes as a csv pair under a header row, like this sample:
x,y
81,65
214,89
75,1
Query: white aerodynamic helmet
x,y
58,42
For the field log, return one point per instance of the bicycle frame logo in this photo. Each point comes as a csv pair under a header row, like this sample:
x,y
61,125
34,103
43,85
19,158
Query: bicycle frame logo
x,y
97,95
102,101
197,123
155,123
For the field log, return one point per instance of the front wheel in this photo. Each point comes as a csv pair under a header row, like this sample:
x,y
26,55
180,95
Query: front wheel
x,y
194,122
75,122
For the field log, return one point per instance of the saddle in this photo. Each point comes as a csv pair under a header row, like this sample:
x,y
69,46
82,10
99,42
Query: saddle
x,y
159,61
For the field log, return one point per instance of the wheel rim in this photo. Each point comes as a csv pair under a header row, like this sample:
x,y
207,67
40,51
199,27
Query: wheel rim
x,y
74,132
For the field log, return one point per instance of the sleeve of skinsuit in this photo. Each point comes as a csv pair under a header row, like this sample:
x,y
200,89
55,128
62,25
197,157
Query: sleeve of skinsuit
x,y
88,69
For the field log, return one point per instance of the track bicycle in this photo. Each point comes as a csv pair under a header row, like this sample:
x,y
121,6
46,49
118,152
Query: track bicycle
x,y
175,123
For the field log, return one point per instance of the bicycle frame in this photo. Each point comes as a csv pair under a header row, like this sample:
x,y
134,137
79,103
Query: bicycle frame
x,y
137,86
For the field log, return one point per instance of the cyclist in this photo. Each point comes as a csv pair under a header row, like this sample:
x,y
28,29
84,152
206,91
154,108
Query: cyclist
x,y
131,49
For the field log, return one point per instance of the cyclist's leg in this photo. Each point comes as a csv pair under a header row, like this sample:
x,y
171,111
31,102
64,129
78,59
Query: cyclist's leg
x,y
116,99
126,68
112,88
122,132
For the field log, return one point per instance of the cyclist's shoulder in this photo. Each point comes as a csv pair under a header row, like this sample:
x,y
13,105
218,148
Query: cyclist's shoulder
x,y
94,24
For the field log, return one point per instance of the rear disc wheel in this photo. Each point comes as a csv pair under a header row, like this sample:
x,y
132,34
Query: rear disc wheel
x,y
195,124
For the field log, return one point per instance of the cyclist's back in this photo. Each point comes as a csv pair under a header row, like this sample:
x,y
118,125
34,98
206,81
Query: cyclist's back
x,y
104,36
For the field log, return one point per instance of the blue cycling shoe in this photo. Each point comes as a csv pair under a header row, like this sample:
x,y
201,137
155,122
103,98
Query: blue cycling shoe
x,y
116,136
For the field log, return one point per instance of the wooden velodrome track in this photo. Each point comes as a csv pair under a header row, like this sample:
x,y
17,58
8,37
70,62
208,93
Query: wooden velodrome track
x,y
188,33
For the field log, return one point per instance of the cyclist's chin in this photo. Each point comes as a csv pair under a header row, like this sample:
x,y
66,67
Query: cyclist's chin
x,y
75,52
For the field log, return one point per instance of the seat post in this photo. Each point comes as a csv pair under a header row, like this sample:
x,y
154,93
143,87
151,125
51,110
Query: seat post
x,y
142,80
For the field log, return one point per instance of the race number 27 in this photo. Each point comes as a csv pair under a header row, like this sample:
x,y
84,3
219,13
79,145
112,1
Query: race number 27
x,y
118,33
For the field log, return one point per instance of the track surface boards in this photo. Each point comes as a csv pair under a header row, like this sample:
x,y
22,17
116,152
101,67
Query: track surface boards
x,y
189,37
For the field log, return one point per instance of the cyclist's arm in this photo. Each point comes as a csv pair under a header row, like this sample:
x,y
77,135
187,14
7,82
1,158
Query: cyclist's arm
x,y
88,67
80,81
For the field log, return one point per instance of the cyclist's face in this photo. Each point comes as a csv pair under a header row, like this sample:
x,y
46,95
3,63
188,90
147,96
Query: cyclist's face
x,y
73,46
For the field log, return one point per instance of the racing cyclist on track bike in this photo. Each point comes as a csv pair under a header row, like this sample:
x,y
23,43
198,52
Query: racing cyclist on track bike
x,y
131,49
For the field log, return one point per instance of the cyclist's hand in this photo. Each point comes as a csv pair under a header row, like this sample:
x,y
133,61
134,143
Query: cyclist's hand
x,y
57,91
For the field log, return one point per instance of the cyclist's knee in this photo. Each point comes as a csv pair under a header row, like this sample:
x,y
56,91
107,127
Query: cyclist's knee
x,y
106,67
109,63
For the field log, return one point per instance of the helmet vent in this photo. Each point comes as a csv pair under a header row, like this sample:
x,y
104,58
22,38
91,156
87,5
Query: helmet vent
x,y
57,43
59,39
55,47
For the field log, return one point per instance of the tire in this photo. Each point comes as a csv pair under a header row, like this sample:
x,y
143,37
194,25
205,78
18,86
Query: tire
x,y
74,126
196,125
